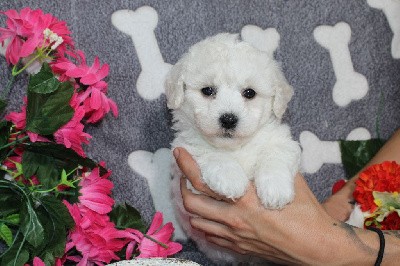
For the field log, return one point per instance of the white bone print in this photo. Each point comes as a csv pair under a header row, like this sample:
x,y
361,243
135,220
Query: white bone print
x,y
264,40
316,152
391,8
156,168
350,85
140,25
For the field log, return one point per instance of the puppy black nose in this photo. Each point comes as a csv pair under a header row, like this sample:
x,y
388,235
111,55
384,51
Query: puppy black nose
x,y
228,120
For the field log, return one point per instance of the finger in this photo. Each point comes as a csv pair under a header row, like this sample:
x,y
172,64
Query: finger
x,y
267,254
192,172
203,205
213,228
187,165
241,240
225,244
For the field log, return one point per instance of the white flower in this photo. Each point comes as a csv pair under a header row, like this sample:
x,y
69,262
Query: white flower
x,y
53,38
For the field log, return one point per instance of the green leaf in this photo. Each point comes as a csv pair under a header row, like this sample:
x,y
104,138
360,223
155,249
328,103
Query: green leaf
x,y
13,219
65,181
58,211
44,81
45,167
64,158
10,198
55,240
49,160
125,216
48,258
47,112
356,154
6,234
4,136
31,227
17,255
56,222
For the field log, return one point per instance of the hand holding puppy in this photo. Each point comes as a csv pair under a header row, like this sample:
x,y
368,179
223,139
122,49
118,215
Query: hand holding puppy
x,y
300,233
244,225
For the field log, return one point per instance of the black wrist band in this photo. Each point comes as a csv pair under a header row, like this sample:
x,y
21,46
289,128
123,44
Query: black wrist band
x,y
381,244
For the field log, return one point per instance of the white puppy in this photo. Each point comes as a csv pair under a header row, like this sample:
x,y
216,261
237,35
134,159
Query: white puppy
x,y
228,99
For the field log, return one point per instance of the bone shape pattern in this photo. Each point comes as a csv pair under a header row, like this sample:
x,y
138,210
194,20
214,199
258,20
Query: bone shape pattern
x,y
264,40
350,85
140,25
155,167
391,8
316,152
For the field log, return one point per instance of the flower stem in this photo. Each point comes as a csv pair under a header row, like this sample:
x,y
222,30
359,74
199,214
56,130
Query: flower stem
x,y
41,54
156,241
14,142
46,191
16,72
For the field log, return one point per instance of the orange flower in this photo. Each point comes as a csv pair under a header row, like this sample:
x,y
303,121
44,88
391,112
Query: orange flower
x,y
384,177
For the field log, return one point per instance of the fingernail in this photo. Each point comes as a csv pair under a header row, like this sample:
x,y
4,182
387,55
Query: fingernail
x,y
176,153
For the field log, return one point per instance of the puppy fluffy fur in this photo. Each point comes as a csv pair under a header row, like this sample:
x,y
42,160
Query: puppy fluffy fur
x,y
234,135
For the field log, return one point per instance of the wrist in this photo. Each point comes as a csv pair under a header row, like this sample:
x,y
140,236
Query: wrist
x,y
347,245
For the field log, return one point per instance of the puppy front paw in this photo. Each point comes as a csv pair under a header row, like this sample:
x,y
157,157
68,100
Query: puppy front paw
x,y
275,189
225,178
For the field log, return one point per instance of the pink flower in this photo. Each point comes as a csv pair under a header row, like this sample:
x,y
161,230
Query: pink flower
x,y
19,120
61,261
88,75
37,262
93,97
94,236
97,105
25,33
162,234
11,160
61,64
71,135
96,191
21,26
61,29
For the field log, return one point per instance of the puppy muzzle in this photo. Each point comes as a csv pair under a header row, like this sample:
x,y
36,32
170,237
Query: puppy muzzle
x,y
228,121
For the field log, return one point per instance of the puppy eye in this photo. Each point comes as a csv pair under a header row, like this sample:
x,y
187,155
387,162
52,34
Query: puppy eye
x,y
249,93
209,91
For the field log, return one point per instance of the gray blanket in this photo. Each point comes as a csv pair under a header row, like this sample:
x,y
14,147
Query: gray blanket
x,y
340,56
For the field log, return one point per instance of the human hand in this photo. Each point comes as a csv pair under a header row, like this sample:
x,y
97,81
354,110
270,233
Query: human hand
x,y
288,236
339,205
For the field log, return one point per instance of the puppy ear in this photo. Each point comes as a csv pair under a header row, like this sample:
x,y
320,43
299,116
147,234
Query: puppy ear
x,y
283,94
174,86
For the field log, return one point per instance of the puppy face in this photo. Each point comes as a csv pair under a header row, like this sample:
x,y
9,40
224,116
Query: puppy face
x,y
227,90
